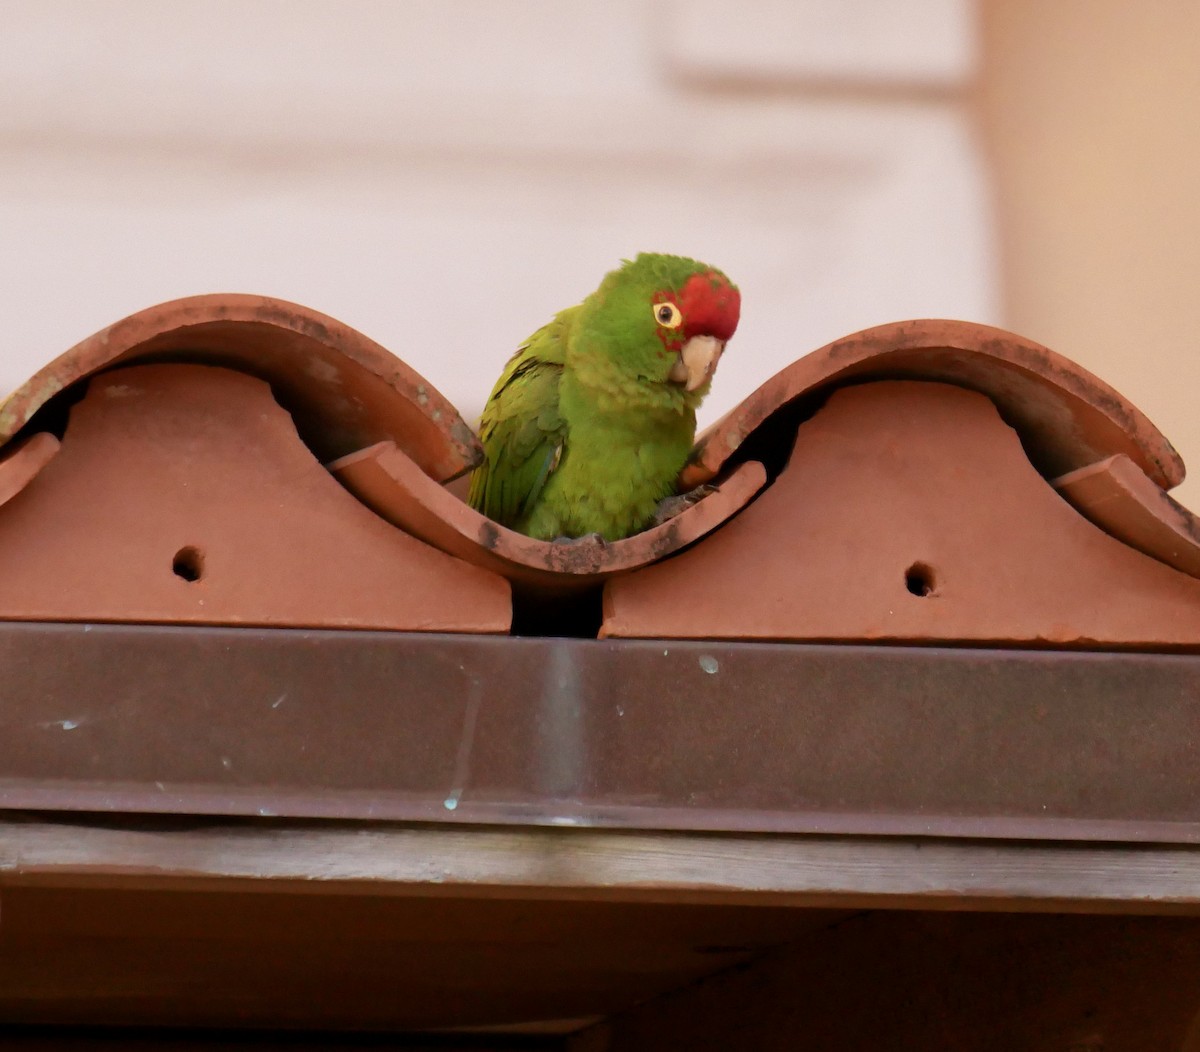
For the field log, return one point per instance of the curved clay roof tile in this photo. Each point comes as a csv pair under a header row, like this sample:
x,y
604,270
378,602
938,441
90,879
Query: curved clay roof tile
x,y
1066,417
393,438
388,482
344,390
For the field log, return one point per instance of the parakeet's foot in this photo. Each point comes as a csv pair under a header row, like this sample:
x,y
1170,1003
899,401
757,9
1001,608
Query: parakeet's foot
x,y
590,538
669,507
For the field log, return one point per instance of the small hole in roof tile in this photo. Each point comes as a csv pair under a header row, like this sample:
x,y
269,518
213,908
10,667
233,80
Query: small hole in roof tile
x,y
188,563
918,579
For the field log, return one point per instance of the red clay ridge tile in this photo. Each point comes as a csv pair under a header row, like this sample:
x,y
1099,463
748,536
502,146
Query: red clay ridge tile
x,y
182,493
21,462
910,512
389,482
906,507
344,390
1067,418
1123,501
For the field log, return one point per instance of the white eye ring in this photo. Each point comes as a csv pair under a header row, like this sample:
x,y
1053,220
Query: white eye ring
x,y
668,315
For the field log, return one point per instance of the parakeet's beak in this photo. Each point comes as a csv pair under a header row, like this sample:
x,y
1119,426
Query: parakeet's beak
x,y
697,362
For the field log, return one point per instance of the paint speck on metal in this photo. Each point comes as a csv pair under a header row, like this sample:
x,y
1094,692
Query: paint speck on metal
x,y
709,664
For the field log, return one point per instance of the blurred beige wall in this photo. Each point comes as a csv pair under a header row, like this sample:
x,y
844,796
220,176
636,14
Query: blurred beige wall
x,y
1091,116
445,174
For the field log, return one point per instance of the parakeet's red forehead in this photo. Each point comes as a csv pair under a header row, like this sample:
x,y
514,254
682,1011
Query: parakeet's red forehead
x,y
711,305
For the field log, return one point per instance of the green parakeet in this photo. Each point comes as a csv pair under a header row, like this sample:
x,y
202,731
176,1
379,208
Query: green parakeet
x,y
593,418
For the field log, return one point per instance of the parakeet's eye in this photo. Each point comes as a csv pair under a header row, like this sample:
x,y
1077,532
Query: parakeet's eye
x,y
668,315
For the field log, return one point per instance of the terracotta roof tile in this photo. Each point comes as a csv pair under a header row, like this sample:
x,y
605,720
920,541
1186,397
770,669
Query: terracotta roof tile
x,y
862,495
343,390
1067,418
1123,501
182,493
21,462
388,481
909,512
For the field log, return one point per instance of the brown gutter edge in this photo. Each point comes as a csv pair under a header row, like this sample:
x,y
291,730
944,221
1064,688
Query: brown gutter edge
x,y
696,736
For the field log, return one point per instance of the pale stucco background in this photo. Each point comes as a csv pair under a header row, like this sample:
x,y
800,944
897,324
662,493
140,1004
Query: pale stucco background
x,y
444,175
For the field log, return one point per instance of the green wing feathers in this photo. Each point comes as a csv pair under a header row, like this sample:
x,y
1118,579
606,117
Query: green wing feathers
x,y
522,432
